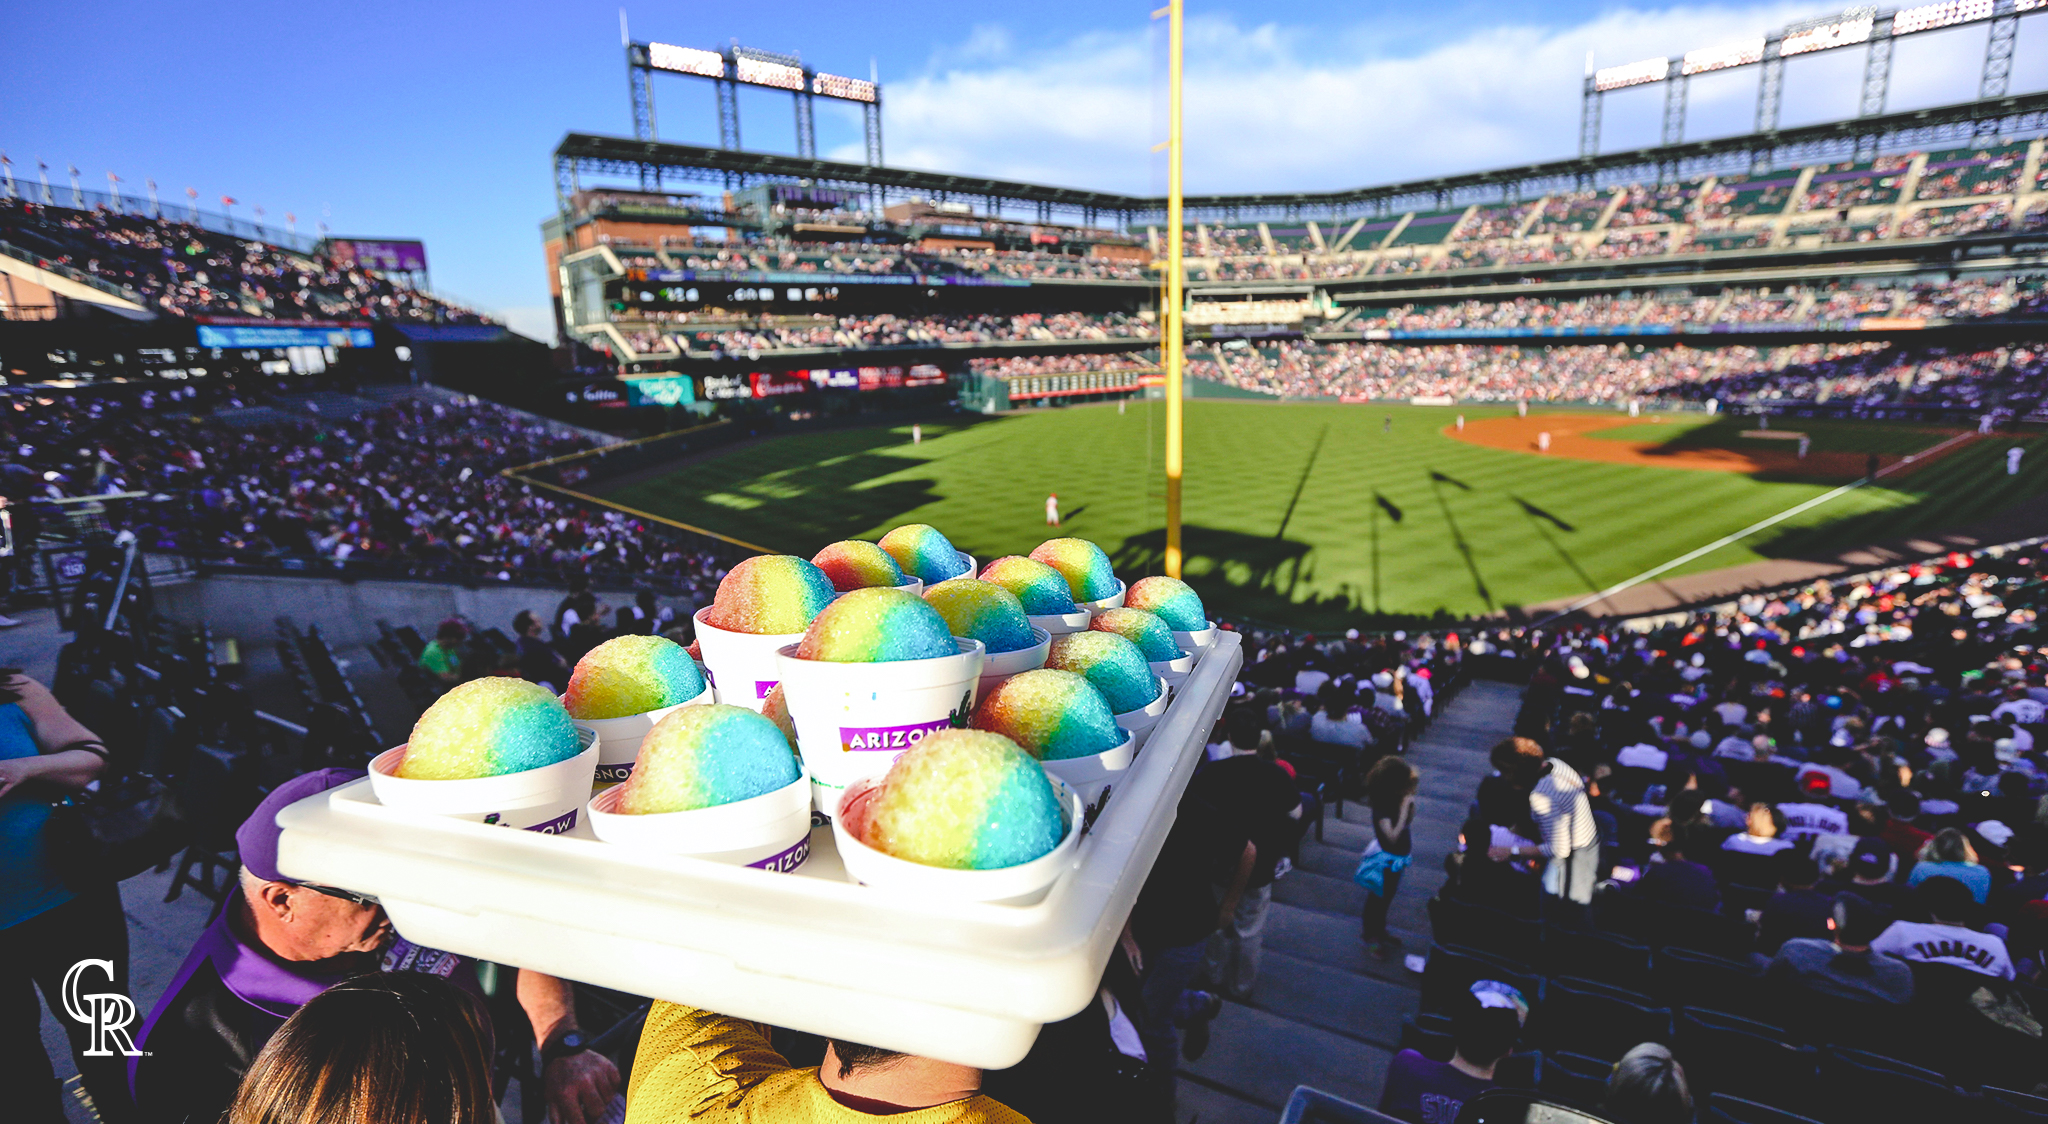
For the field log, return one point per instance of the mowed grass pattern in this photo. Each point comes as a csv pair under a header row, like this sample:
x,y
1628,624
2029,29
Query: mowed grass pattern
x,y
1284,519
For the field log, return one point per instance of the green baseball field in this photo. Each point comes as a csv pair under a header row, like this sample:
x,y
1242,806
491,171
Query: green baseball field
x,y
1317,515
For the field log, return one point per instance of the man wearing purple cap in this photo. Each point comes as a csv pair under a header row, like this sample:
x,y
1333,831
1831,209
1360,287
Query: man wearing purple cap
x,y
278,943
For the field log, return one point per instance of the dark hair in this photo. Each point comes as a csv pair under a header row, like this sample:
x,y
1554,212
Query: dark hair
x,y
852,1056
450,630
1389,782
1484,1034
8,677
388,1047
1244,727
1944,898
523,621
1648,1086
1795,869
1857,922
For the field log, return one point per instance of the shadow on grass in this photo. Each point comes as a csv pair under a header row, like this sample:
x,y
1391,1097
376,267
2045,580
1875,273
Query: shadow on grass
x,y
821,490
1259,578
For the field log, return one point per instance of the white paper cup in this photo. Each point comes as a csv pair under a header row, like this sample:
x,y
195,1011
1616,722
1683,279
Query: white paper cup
x,y
973,567
547,799
998,667
618,739
1023,884
1090,776
1059,624
1113,601
1197,642
912,585
854,719
1140,722
741,664
771,831
1175,670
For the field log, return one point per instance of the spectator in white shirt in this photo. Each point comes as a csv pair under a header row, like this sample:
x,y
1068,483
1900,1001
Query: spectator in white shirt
x,y
1761,835
1945,939
1570,839
1813,819
2018,706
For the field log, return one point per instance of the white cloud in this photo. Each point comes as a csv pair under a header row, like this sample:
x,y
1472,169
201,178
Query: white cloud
x,y
1270,108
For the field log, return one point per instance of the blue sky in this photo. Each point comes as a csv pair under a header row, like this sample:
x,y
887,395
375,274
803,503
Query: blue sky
x,y
435,121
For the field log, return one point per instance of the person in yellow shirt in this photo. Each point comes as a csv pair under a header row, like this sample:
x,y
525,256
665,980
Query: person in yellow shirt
x,y
703,1068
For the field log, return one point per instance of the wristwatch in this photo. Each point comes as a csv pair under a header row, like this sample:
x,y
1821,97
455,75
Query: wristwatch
x,y
569,1043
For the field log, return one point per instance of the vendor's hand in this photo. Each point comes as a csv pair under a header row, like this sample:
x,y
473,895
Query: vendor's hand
x,y
579,1086
1499,854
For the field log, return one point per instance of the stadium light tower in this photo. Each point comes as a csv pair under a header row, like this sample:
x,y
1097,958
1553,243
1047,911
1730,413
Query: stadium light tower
x,y
1875,29
734,66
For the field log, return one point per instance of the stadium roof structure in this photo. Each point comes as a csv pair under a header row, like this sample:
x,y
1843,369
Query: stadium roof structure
x,y
582,154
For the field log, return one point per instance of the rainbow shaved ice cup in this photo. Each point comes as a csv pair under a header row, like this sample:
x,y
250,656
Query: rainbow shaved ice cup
x,y
926,554
763,604
625,685
1090,579
876,672
1048,601
496,751
857,564
991,614
967,816
1153,639
1115,667
1176,603
715,782
1057,717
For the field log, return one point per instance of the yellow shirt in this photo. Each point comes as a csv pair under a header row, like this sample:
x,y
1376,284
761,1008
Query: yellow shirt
x,y
697,1066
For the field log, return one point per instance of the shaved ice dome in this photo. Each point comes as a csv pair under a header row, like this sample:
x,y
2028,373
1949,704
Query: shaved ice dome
x,y
770,595
876,626
1112,665
1083,564
632,675
924,553
486,728
965,799
1042,589
775,708
704,756
1144,629
1171,600
1053,715
983,611
854,564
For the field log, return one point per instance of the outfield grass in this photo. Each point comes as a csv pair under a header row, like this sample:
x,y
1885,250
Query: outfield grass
x,y
1281,516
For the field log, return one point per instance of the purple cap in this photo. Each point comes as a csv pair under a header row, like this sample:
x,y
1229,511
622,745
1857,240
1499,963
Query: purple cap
x,y
256,839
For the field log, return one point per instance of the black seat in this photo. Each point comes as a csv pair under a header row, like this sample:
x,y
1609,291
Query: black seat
x,y
1724,1109
1590,954
1616,910
1702,931
1856,1087
1682,977
1429,1034
1456,921
1829,1020
1595,1020
1726,1053
1452,971
1574,1079
1768,781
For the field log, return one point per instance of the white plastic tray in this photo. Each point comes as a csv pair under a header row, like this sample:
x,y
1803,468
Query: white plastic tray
x,y
965,983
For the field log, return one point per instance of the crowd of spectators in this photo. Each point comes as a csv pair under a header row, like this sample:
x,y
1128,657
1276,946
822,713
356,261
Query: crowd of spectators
x,y
186,270
1012,366
1858,376
890,330
412,487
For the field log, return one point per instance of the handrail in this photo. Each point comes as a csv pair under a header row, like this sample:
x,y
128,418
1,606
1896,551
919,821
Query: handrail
x,y
70,273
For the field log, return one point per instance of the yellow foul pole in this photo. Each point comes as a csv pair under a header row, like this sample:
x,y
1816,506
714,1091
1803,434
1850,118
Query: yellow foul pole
x,y
1170,339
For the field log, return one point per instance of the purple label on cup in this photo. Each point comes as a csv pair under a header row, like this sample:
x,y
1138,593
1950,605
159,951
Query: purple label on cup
x,y
613,774
763,686
782,862
887,739
559,825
